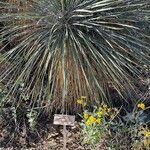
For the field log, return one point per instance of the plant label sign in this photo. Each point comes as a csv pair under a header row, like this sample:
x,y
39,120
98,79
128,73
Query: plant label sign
x,y
66,120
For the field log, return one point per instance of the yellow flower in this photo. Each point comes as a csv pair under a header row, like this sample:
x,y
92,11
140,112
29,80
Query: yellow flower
x,y
146,142
88,123
98,120
104,106
80,101
147,134
109,110
91,120
104,111
86,116
99,114
141,105
83,97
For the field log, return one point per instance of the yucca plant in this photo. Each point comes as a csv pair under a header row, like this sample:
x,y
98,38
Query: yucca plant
x,y
64,49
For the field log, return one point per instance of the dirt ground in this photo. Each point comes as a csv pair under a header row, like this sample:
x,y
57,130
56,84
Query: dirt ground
x,y
52,140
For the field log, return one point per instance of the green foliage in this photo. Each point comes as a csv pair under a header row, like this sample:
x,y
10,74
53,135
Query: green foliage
x,y
32,116
103,125
66,48
95,125
93,134
131,132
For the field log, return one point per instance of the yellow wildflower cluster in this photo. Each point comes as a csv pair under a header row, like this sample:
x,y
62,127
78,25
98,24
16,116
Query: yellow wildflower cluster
x,y
145,133
81,101
103,110
99,114
147,138
85,116
99,120
91,120
96,118
141,106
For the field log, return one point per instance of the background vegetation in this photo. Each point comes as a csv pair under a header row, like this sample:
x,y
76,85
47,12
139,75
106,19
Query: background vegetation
x,y
53,52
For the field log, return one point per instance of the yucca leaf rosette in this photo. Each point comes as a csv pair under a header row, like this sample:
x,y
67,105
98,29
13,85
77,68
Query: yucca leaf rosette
x,y
62,49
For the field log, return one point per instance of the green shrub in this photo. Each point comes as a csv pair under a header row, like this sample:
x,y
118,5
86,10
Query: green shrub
x,y
104,128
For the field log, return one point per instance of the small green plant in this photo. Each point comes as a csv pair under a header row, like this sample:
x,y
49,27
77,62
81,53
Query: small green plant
x,y
32,119
131,132
95,124
140,132
141,138
104,124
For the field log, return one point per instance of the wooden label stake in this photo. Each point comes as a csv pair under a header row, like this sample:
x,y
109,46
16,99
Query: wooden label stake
x,y
65,137
64,120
